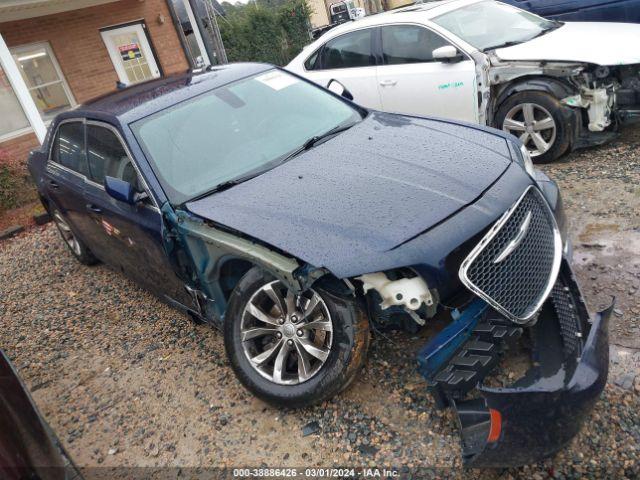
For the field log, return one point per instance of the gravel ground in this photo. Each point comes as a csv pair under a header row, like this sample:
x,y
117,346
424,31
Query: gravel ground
x,y
125,380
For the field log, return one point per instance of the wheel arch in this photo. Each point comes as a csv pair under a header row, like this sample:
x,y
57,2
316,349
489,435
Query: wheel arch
x,y
556,87
537,83
230,270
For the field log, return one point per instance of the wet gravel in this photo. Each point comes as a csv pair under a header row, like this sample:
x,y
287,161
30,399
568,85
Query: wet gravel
x,y
125,380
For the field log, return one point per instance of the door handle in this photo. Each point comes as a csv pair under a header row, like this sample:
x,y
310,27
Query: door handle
x,y
388,83
53,184
92,208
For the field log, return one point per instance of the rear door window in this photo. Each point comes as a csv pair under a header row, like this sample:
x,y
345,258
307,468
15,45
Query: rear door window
x,y
349,51
409,44
68,147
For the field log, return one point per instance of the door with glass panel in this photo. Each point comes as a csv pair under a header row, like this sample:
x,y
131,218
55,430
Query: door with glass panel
x,y
131,53
43,78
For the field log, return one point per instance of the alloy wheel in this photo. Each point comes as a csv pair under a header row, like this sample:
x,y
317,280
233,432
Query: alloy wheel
x,y
67,235
534,125
286,338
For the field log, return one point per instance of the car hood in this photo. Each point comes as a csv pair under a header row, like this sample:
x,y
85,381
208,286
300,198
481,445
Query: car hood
x,y
590,42
365,191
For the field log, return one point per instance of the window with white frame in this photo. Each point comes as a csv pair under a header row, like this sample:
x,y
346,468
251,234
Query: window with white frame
x,y
44,79
13,121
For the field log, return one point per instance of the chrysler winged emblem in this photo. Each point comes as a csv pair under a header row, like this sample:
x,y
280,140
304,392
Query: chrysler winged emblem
x,y
513,244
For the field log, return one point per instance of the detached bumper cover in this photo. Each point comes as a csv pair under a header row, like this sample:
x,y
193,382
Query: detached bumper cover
x,y
539,420
542,411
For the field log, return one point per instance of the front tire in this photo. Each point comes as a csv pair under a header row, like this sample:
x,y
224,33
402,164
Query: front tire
x,y
537,119
289,350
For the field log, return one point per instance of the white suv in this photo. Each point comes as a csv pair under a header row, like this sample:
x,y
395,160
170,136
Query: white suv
x,y
554,85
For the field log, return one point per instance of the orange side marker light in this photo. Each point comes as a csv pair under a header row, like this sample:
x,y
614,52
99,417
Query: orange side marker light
x,y
496,426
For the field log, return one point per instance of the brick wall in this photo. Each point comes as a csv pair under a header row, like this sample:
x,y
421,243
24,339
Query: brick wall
x,y
14,152
76,42
85,63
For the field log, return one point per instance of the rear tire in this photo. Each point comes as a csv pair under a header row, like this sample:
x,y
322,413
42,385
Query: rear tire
x,y
76,246
537,119
336,325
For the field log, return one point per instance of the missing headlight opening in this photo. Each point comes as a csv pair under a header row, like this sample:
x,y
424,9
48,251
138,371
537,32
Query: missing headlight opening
x,y
408,292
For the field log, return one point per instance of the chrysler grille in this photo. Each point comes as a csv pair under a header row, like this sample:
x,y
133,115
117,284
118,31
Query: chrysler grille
x,y
515,265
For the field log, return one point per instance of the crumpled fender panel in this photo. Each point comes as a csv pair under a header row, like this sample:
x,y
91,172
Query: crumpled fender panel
x,y
557,88
196,250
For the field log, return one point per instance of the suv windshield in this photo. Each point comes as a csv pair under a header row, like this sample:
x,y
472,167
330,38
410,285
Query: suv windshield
x,y
237,131
489,24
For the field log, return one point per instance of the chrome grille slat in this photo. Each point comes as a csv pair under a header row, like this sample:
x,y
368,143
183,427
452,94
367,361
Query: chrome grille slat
x,y
518,283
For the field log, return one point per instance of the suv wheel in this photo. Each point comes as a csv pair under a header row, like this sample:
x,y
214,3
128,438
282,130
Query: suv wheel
x,y
76,246
293,350
536,119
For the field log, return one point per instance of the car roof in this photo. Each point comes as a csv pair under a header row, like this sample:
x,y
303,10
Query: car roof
x,y
416,12
138,101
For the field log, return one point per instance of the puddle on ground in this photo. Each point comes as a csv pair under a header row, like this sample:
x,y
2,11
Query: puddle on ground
x,y
605,239
596,229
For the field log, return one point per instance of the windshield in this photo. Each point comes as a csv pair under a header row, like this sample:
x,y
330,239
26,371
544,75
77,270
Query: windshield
x,y
489,24
236,131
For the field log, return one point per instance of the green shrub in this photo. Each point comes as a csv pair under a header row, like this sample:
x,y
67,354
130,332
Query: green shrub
x,y
8,188
264,32
16,187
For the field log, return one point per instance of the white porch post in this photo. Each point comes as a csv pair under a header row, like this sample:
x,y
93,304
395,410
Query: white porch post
x,y
22,92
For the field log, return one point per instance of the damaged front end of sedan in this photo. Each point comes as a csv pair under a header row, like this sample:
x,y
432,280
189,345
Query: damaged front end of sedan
x,y
487,256
516,301
526,308
527,304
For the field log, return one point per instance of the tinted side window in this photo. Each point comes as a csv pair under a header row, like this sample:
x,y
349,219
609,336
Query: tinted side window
x,y
68,147
349,50
107,156
409,44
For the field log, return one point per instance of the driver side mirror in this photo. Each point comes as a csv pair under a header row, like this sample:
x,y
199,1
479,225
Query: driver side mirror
x,y
123,191
447,54
336,87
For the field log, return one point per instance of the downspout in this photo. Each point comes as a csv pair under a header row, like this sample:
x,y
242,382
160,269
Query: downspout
x,y
178,26
209,45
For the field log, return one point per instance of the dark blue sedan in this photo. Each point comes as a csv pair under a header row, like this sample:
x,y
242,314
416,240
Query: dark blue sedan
x,y
295,220
627,11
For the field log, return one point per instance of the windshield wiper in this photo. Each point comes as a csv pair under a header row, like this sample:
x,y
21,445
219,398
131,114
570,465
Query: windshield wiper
x,y
335,130
510,43
305,146
313,141
224,186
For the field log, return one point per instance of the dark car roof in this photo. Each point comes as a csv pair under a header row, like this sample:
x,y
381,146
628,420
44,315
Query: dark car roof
x,y
140,100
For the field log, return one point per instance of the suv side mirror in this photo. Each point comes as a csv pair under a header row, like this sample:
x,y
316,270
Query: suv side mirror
x,y
336,87
122,191
447,54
